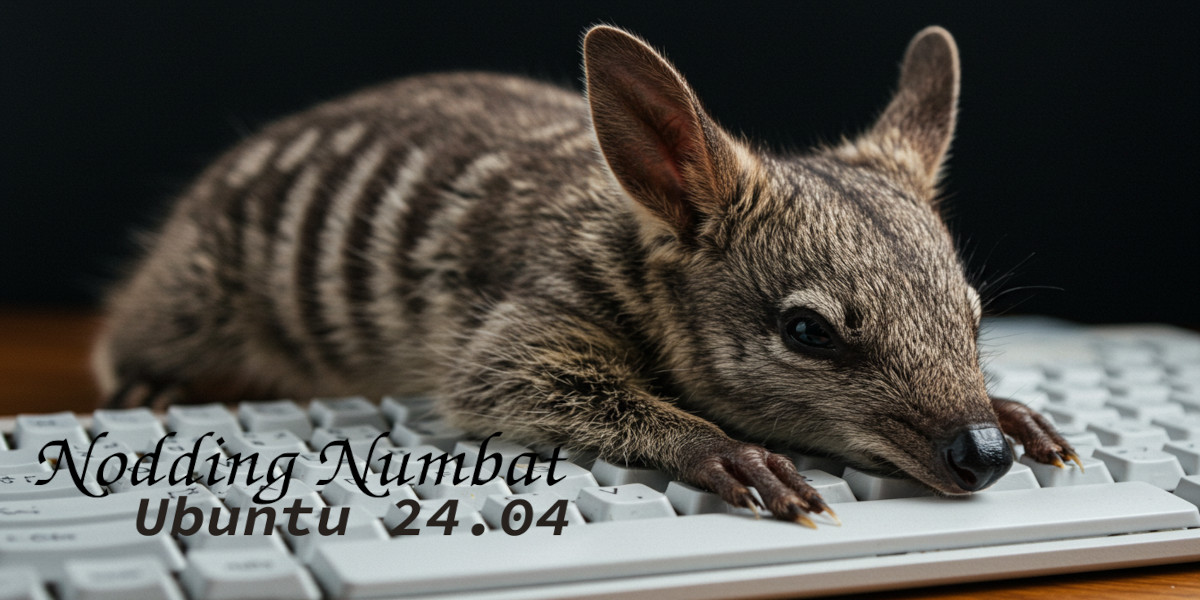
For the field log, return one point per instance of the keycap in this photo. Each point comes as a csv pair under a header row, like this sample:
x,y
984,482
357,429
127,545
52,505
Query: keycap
x,y
1080,438
1076,374
24,486
273,494
47,548
1187,453
246,575
506,450
275,415
266,444
309,468
1068,415
569,478
346,412
221,477
808,462
431,488
1180,429
832,489
1018,477
35,431
21,583
23,460
1189,489
540,503
79,509
360,438
1152,466
142,475
1135,393
623,502
682,545
357,525
426,433
138,428
118,579
402,409
1189,400
1146,410
419,519
412,460
1076,397
610,474
343,491
1094,471
1128,433
873,487
196,420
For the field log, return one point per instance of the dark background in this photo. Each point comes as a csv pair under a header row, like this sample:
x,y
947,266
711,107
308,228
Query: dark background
x,y
1075,164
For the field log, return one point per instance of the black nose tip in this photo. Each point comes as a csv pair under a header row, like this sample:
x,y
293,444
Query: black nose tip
x,y
976,457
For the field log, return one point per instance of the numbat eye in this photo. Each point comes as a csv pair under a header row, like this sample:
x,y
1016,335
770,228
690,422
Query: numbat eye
x,y
808,333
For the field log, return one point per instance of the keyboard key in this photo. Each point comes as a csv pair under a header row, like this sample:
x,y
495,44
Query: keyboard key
x,y
506,450
540,503
402,409
1180,429
1076,397
358,525
1146,410
35,431
607,473
1076,374
360,437
275,415
623,502
24,487
1134,393
832,489
1187,453
1067,415
267,444
1128,433
569,478
21,583
118,579
48,548
1189,400
79,509
23,460
430,488
343,491
246,575
1094,471
346,412
1018,477
426,433
684,545
309,468
1152,466
808,462
1189,489
138,428
872,487
198,419
274,494
418,518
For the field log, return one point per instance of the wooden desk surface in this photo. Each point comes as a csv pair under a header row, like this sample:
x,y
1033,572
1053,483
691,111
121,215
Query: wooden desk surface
x,y
43,368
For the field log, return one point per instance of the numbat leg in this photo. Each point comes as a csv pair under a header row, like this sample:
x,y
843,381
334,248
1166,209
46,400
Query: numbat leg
x,y
542,378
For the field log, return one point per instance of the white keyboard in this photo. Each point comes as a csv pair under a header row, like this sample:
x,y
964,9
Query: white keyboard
x,y
1127,398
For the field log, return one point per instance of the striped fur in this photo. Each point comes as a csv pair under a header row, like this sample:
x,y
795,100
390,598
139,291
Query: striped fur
x,y
460,235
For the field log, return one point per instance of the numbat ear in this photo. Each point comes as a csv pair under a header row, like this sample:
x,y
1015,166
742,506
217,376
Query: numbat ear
x,y
913,134
663,149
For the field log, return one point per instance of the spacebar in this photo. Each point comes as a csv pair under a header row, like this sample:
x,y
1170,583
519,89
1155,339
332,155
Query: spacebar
x,y
437,564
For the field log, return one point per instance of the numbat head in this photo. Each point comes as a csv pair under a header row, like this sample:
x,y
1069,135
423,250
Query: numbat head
x,y
678,299
812,300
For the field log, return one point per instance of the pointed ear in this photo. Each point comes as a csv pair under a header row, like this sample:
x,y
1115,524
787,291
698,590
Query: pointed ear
x,y
913,134
659,143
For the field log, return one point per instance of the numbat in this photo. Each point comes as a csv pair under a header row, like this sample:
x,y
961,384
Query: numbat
x,y
616,273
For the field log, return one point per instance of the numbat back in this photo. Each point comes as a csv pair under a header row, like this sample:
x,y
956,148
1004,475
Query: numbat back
x,y
616,273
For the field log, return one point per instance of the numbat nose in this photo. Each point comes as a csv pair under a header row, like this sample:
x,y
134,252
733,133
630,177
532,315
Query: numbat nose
x,y
976,457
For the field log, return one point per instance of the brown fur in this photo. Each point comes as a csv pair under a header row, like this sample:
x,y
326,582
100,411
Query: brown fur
x,y
458,235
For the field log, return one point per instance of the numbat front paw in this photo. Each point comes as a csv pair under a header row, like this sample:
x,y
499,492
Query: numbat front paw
x,y
1041,441
728,468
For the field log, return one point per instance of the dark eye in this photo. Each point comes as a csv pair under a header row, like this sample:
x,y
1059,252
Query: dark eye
x,y
808,333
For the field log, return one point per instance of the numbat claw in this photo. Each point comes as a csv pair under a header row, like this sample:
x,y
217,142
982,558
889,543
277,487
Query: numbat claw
x,y
1041,441
727,468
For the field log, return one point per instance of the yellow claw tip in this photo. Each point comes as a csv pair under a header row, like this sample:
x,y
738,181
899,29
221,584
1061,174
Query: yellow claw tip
x,y
1075,459
1058,463
805,521
833,515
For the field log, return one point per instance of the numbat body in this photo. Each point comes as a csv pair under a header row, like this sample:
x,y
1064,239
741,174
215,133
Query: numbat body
x,y
616,273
